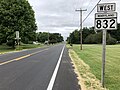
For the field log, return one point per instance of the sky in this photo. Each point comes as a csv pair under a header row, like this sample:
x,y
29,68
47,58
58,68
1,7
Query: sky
x,y
59,16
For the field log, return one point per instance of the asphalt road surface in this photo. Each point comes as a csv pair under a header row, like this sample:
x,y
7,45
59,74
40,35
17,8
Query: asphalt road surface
x,y
47,68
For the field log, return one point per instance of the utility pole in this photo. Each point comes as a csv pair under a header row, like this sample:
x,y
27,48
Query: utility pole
x,y
81,10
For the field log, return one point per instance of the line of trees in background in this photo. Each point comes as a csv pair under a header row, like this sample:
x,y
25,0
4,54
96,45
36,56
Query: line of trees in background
x,y
94,37
18,15
52,37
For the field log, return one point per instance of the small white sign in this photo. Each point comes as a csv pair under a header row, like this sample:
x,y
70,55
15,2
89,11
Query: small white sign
x,y
106,7
106,21
106,15
17,34
107,24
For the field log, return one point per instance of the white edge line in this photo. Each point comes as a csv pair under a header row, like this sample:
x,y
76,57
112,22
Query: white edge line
x,y
51,83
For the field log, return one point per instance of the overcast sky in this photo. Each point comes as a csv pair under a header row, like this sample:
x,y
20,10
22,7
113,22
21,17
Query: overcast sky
x,y
59,16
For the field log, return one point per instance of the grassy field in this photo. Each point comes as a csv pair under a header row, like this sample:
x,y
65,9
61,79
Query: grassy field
x,y
92,55
5,48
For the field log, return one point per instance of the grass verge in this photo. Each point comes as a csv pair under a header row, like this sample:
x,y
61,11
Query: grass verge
x,y
88,81
92,56
5,48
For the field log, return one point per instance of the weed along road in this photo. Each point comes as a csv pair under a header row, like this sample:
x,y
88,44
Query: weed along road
x,y
47,68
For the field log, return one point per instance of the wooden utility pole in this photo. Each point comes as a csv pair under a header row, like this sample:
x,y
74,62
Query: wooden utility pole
x,y
80,10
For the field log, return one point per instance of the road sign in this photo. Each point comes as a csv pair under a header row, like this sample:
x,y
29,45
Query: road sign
x,y
17,34
106,21
108,7
106,15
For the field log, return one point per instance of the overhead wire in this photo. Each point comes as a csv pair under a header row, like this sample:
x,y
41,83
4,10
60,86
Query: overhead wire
x,y
91,11
86,6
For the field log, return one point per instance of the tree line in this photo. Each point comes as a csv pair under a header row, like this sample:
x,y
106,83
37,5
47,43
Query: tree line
x,y
18,15
90,36
50,37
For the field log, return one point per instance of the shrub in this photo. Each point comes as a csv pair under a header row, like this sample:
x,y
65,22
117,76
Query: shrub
x,y
90,39
11,43
111,40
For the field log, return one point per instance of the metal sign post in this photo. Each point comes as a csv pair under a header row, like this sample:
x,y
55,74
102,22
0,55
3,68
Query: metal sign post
x,y
17,38
106,20
103,57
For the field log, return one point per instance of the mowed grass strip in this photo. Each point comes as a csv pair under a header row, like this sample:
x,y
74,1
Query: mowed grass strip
x,y
5,48
92,55
87,80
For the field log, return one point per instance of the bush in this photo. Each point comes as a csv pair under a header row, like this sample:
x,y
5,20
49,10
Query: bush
x,y
11,43
30,42
0,42
90,39
97,39
111,40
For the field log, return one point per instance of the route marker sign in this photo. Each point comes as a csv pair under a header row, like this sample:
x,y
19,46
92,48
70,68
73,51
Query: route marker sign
x,y
106,21
108,7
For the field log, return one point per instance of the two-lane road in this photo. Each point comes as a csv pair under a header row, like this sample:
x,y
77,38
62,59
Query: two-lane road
x,y
46,68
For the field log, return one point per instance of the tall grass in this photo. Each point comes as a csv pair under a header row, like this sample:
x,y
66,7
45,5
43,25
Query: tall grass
x,y
92,55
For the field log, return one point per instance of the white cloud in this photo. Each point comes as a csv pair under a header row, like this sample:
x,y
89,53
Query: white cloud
x,y
60,16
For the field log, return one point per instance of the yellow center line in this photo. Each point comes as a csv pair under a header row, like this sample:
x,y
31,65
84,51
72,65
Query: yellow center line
x,y
7,62
22,57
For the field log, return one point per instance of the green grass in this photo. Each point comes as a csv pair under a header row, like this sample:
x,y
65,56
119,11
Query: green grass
x,y
92,55
28,46
5,48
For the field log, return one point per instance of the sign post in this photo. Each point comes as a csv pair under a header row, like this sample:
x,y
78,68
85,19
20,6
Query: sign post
x,y
103,58
105,20
17,38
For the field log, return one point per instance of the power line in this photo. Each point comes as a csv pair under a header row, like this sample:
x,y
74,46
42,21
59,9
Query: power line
x,y
91,11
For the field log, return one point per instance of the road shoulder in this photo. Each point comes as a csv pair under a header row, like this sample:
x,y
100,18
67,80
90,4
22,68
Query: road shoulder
x,y
87,80
66,78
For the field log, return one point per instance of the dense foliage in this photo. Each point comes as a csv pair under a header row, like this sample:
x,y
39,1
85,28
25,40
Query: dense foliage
x,y
16,15
52,37
94,37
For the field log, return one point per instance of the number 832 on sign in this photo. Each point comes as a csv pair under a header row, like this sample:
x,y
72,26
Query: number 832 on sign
x,y
108,23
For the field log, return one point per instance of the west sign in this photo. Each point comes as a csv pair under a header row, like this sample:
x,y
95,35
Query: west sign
x,y
106,7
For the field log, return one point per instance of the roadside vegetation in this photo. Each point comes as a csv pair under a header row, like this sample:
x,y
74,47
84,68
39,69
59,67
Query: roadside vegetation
x,y
4,48
91,55
18,15
90,36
